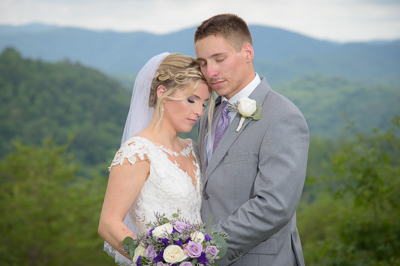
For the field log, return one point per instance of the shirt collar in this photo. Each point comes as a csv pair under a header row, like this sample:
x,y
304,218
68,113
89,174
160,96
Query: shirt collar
x,y
245,92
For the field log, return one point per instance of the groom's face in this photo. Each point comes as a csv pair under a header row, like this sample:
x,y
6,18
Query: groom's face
x,y
225,68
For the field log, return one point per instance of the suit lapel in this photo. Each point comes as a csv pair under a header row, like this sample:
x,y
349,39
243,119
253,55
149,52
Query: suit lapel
x,y
203,125
259,94
203,136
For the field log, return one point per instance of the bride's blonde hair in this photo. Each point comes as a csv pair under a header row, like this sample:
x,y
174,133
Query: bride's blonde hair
x,y
177,72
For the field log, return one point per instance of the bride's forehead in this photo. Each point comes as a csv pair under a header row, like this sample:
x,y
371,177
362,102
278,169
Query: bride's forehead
x,y
201,91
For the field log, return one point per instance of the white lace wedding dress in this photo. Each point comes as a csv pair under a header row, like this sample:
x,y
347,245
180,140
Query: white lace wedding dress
x,y
167,189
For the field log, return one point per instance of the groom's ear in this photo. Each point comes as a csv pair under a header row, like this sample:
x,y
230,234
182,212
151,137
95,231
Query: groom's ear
x,y
249,51
160,91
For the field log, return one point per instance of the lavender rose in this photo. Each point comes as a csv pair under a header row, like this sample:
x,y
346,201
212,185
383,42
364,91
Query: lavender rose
x,y
186,263
180,226
211,252
150,252
193,249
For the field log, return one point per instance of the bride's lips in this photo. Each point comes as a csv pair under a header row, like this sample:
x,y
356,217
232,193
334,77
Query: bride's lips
x,y
193,121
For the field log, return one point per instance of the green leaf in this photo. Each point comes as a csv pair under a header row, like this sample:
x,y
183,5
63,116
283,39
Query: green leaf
x,y
175,215
257,114
208,228
224,247
132,251
127,241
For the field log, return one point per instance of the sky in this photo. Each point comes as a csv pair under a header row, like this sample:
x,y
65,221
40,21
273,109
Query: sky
x,y
334,20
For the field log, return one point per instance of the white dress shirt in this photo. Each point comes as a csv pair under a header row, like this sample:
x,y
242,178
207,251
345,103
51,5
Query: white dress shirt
x,y
244,93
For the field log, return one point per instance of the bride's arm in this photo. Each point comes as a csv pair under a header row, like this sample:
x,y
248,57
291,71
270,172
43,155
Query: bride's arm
x,y
124,185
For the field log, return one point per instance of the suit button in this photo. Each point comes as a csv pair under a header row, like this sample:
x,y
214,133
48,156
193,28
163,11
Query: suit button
x,y
205,196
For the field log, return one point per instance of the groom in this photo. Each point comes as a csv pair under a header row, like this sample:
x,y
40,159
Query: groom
x,y
252,177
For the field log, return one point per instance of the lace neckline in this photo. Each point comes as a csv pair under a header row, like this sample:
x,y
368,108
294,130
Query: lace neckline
x,y
185,152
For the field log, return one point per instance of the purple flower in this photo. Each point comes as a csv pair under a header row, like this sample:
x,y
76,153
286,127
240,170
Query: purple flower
x,y
159,257
161,264
211,252
180,226
179,242
193,249
202,259
187,240
175,231
138,261
165,241
150,252
186,263
151,232
207,238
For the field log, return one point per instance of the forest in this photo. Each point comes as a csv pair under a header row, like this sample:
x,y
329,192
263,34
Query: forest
x,y
61,124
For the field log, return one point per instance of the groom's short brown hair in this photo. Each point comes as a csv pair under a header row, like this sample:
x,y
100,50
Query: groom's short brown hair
x,y
229,26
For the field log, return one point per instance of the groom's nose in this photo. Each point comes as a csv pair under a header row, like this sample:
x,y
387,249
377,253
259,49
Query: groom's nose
x,y
212,70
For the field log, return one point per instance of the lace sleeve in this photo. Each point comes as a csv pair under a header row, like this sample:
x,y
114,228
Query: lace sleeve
x,y
131,151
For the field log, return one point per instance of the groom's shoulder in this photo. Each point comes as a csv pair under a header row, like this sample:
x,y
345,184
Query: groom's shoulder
x,y
280,102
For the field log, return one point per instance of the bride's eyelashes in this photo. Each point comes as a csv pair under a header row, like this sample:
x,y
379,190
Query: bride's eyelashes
x,y
194,100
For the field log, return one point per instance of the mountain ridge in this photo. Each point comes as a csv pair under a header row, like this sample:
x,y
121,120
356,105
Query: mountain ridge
x,y
279,54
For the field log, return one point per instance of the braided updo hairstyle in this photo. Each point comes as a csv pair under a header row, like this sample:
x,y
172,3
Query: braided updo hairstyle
x,y
176,72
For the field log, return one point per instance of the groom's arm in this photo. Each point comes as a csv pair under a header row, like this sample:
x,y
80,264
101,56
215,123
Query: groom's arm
x,y
277,188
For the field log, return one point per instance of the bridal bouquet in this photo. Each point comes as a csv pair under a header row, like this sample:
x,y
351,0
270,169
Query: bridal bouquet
x,y
172,242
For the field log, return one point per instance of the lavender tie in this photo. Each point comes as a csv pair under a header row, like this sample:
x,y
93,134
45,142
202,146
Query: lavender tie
x,y
223,123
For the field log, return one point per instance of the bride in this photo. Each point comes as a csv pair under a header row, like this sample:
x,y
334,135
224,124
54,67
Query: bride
x,y
155,171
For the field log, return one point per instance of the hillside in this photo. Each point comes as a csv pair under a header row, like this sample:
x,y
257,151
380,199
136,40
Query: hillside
x,y
39,100
328,103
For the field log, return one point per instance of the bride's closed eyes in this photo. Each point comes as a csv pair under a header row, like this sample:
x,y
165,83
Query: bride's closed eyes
x,y
195,99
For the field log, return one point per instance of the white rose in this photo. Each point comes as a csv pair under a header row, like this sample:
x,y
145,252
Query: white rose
x,y
174,254
247,107
139,251
163,230
197,237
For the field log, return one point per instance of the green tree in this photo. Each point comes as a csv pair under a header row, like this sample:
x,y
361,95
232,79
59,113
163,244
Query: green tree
x,y
360,224
48,215
39,100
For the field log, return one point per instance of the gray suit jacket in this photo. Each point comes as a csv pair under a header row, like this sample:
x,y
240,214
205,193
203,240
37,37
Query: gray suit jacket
x,y
254,181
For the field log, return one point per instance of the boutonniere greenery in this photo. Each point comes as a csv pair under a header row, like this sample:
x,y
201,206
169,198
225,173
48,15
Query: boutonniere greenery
x,y
247,108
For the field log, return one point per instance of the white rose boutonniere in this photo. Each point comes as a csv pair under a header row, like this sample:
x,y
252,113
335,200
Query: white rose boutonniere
x,y
247,108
